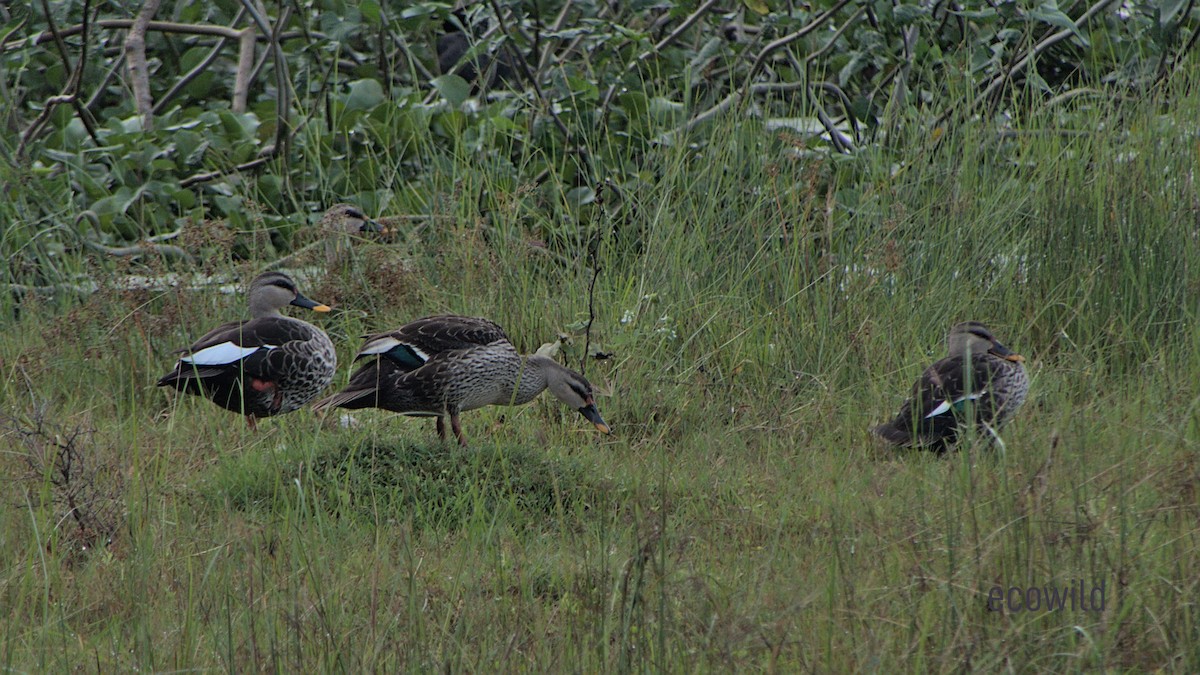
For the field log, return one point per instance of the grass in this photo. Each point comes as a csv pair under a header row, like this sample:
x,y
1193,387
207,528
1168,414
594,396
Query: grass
x,y
762,311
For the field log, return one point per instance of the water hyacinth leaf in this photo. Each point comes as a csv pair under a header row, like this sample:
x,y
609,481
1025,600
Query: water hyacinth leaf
x,y
1168,10
186,199
452,88
985,14
757,6
371,12
1049,13
1036,81
364,94
580,196
906,14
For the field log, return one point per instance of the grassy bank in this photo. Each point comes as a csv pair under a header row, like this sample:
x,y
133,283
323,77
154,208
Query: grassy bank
x,y
762,306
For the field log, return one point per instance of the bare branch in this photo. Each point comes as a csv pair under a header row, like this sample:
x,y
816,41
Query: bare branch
x,y
205,176
537,87
139,72
1036,51
771,47
240,84
282,80
126,24
674,35
70,92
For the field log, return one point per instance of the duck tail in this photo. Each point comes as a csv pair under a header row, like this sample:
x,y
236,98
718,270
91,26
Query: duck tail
x,y
361,392
891,434
351,398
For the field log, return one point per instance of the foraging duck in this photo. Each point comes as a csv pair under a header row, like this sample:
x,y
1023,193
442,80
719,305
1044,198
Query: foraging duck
x,y
340,224
285,362
446,365
980,377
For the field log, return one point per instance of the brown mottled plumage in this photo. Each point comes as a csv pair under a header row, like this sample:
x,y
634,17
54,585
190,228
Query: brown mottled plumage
x,y
269,365
445,365
981,378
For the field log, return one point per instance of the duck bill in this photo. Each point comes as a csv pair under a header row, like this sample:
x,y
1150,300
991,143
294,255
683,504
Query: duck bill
x,y
304,302
593,415
1006,353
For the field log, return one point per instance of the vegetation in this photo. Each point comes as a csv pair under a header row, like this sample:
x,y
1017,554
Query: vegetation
x,y
751,245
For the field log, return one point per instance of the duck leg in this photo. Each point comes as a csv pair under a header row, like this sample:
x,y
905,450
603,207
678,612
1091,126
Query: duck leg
x,y
441,427
456,425
252,422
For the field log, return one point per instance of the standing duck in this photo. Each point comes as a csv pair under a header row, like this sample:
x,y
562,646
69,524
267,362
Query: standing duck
x,y
269,365
441,366
980,377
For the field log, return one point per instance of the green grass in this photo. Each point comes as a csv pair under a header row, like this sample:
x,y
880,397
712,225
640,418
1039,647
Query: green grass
x,y
762,311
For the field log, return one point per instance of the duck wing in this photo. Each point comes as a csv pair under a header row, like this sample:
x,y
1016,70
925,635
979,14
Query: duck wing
x,y
412,345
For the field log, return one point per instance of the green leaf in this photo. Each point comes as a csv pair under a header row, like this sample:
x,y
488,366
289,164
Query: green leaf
x,y
1037,82
370,11
906,14
1049,13
364,95
985,14
452,88
1168,10
757,6
580,196
184,198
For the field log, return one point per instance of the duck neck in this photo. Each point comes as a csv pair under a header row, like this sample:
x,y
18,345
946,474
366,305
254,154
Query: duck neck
x,y
259,310
531,381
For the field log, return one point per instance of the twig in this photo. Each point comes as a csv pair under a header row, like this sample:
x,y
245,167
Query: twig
x,y
587,331
846,107
750,88
163,250
1036,51
771,47
836,35
205,176
544,56
102,88
282,81
1190,43
836,137
241,81
246,38
537,88
671,37
732,98
139,71
70,92
125,24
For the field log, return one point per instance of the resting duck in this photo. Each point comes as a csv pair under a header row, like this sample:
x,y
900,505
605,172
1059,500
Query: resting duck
x,y
340,225
979,375
269,365
441,366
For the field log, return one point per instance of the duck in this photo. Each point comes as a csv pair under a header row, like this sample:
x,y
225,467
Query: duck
x,y
980,378
442,366
267,366
339,225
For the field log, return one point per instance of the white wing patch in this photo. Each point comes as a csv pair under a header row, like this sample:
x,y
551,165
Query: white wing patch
x,y
379,346
945,406
388,343
221,354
